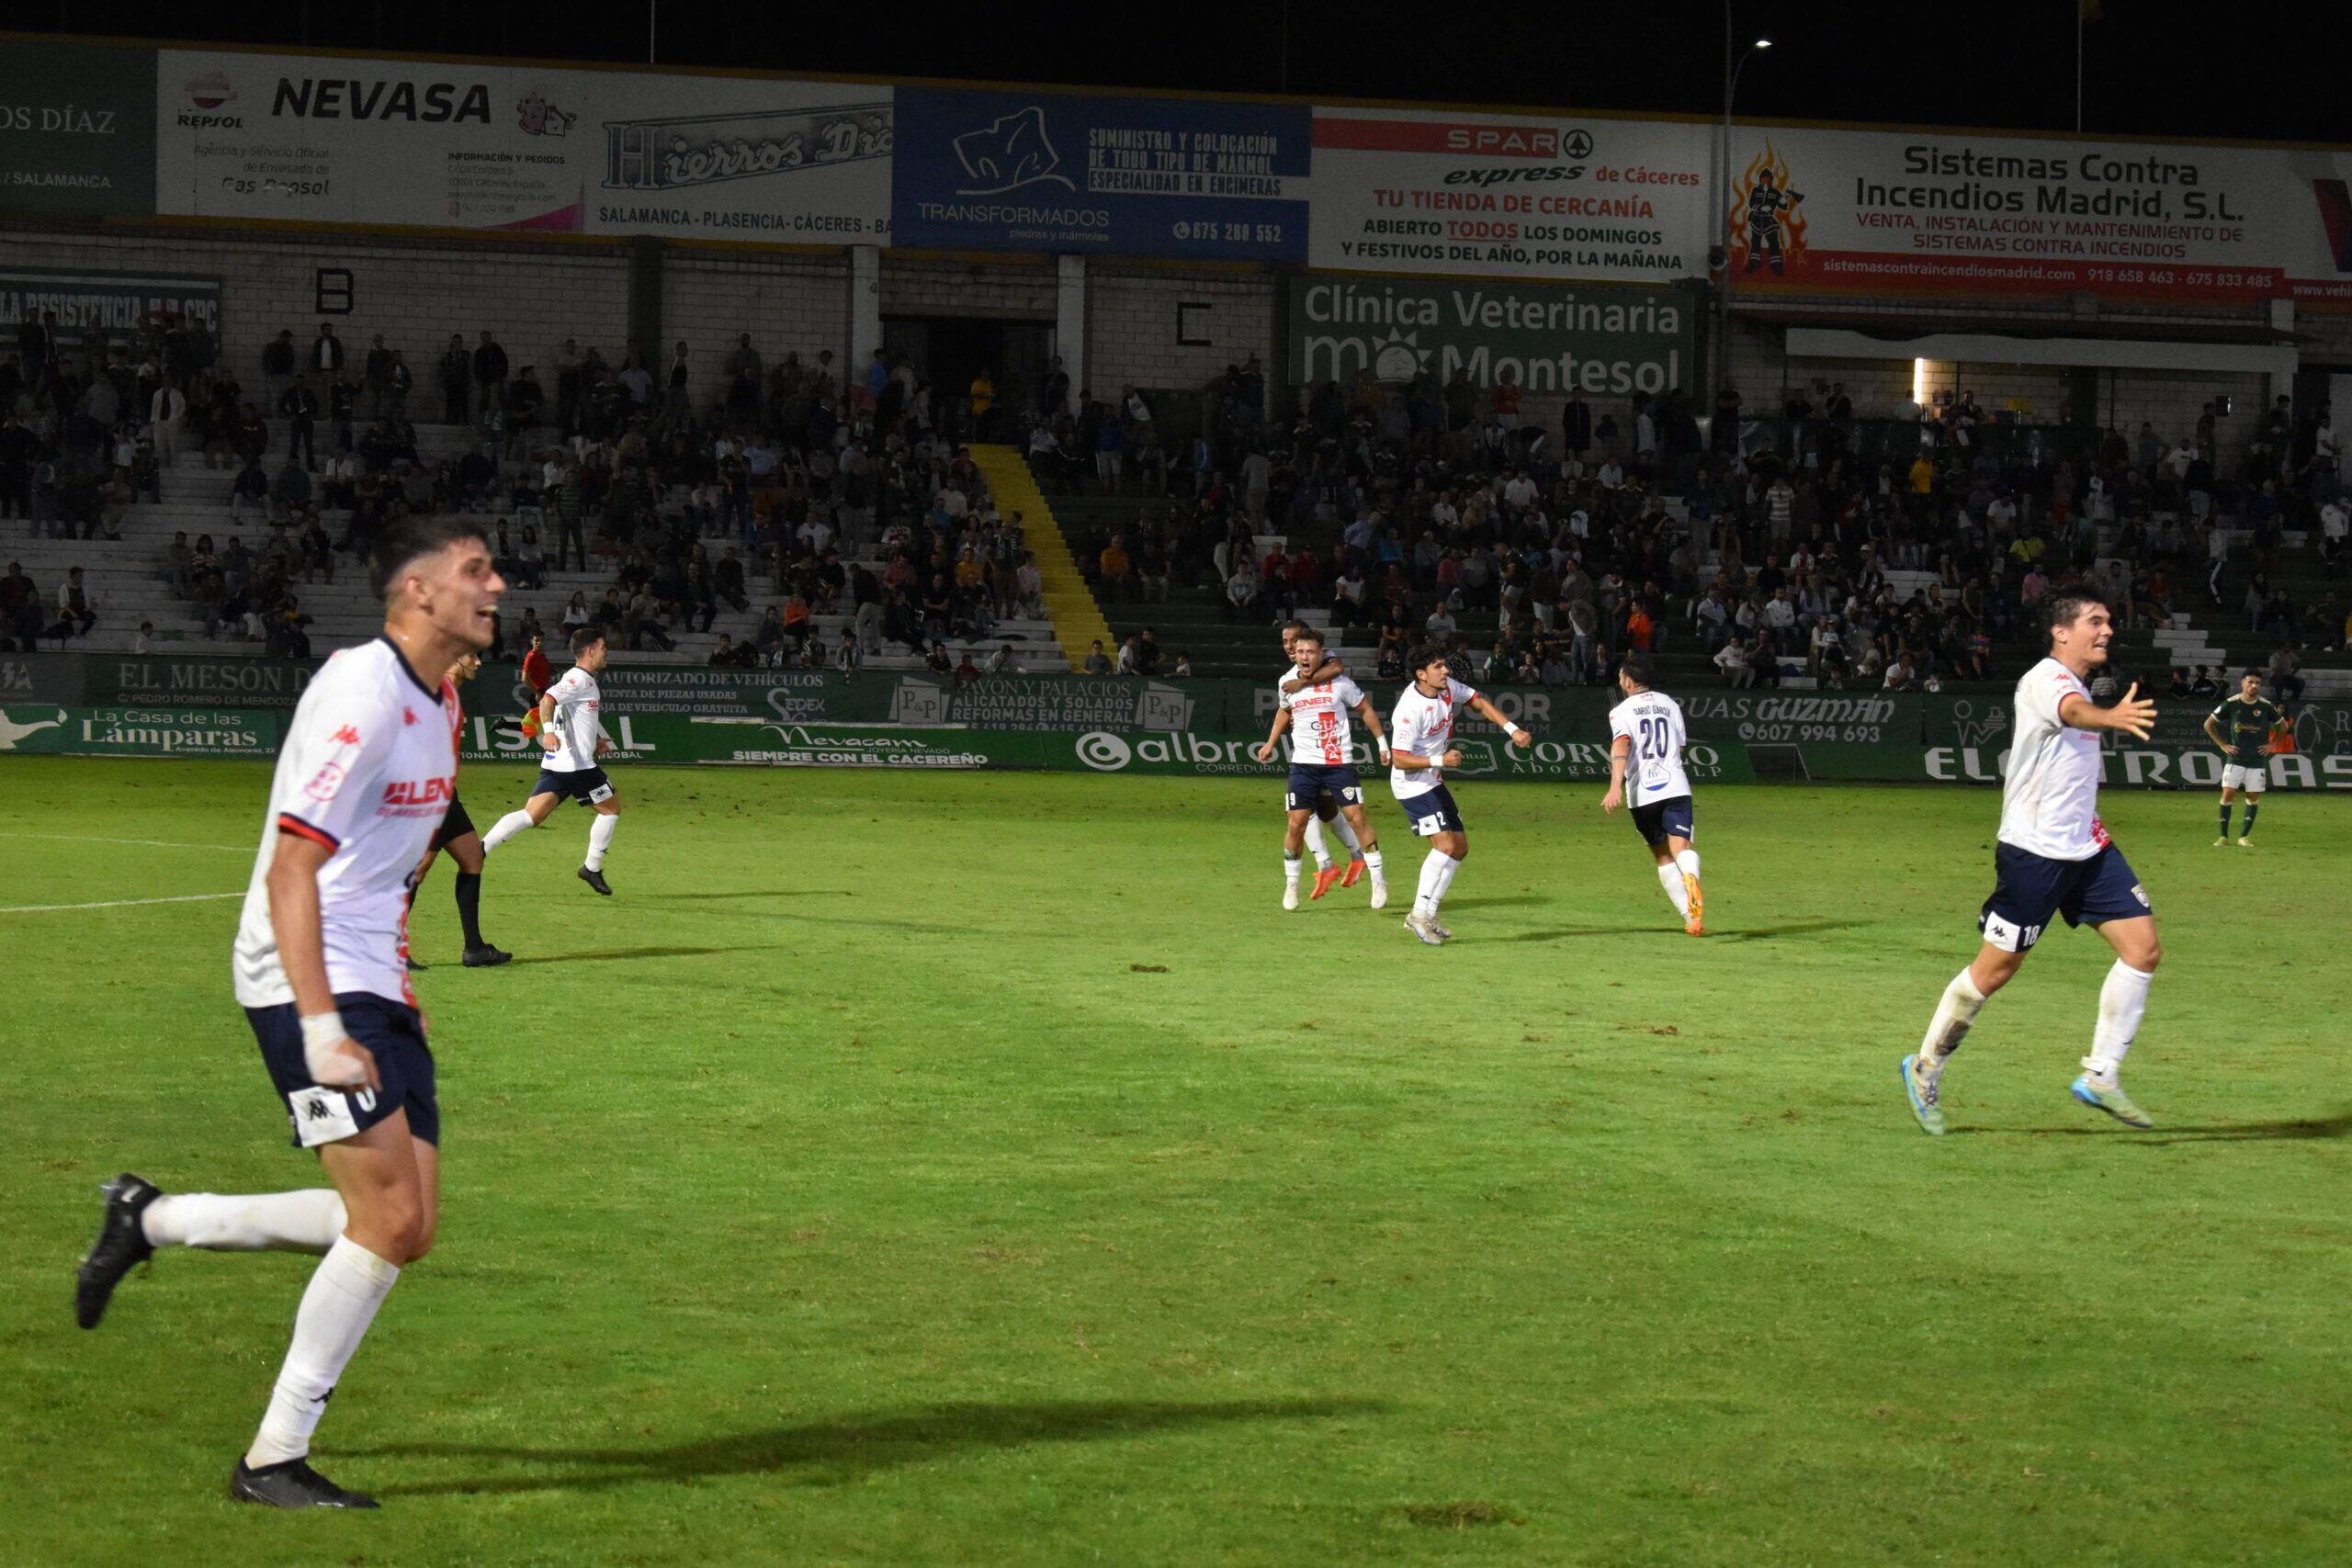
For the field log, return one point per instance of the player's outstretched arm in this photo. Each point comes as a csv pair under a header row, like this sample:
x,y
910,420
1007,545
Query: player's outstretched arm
x,y
2133,714
1621,751
333,1058
1495,717
1267,752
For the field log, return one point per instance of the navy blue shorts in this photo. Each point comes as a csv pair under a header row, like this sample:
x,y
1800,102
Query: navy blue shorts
x,y
583,786
2029,888
1433,813
1664,819
392,1032
1309,783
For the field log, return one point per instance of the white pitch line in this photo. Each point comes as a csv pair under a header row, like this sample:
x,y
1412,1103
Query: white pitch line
x,y
114,903
149,844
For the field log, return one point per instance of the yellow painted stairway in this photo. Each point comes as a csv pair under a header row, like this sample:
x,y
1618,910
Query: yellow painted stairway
x,y
1078,619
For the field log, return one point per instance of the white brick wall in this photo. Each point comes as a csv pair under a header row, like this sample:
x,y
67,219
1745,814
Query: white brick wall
x,y
533,295
1132,326
798,303
1021,291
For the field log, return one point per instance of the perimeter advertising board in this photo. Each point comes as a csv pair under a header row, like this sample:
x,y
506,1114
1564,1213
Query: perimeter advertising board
x,y
1031,171
431,145
1474,194
1977,215
77,129
1600,341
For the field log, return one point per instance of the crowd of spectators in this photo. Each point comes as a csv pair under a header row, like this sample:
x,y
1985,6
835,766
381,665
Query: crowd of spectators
x,y
1541,552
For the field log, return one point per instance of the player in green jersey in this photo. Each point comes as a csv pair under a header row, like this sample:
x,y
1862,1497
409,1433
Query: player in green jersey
x,y
2241,727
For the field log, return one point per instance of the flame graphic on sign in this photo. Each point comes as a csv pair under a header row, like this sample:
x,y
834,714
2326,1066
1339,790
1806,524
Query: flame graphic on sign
x,y
1792,221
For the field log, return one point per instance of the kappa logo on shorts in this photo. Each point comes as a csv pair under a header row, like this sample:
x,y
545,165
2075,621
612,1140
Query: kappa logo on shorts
x,y
321,1116
2142,894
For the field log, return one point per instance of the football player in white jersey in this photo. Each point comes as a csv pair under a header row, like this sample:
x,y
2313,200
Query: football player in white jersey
x,y
2053,857
1421,739
1322,763
572,732
367,769
457,836
1646,736
1326,806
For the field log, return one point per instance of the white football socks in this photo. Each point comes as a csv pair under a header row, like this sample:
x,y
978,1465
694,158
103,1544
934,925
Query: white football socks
x,y
1670,878
306,1221
1348,837
1291,865
2122,1000
1315,844
348,1286
1437,876
1687,863
1954,1013
600,839
1375,864
505,828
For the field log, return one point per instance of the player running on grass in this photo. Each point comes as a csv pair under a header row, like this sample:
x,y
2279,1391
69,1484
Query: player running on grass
x,y
368,767
573,738
2242,726
1326,806
1647,738
1421,741
2055,857
1322,763
457,836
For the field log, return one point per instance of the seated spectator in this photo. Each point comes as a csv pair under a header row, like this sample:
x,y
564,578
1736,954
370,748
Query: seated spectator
x,y
1097,662
1732,660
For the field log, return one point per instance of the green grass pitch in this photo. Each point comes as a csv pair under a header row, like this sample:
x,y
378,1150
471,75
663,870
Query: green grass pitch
x,y
985,1169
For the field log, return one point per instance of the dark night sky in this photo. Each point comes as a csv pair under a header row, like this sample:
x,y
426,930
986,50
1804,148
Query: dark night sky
x,y
2152,67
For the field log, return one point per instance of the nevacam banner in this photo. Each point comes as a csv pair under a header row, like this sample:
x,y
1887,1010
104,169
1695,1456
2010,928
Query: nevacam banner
x,y
1038,171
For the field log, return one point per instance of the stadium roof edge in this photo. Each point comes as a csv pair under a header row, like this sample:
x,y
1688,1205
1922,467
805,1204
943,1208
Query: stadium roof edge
x,y
1099,89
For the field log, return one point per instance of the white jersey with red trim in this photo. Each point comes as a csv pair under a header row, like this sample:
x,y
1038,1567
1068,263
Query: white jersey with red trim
x,y
1320,736
1652,725
579,722
2049,800
1424,727
369,769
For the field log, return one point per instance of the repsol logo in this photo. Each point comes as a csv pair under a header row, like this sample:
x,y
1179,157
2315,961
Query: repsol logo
x,y
434,103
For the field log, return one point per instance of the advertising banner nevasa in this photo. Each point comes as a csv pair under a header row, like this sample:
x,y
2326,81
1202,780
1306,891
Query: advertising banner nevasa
x,y
1600,340
1921,212
1035,170
77,129
1474,194
437,144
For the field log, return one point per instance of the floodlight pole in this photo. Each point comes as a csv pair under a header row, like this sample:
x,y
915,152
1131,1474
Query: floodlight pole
x,y
1732,68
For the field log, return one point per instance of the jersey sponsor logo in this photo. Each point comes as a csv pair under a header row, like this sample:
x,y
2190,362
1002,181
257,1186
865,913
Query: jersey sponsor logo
x,y
325,783
420,792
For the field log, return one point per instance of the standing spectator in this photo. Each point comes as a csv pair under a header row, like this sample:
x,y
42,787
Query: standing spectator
x,y
376,378
744,381
399,381
301,407
167,414
983,394
277,365
456,374
326,351
489,371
